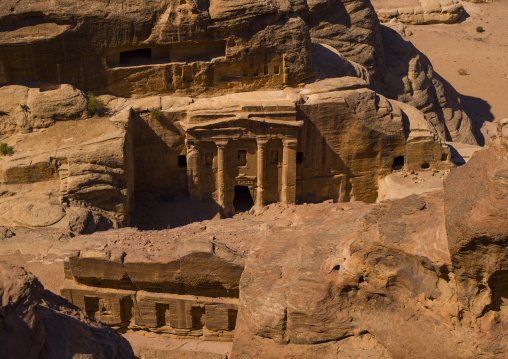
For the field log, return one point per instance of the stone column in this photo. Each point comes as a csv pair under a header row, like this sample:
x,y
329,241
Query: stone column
x,y
193,170
288,190
261,168
221,176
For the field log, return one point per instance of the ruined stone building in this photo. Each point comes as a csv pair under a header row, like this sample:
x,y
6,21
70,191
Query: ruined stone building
x,y
189,289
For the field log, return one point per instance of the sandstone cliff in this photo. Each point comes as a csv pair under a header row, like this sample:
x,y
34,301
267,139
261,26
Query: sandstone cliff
x,y
198,47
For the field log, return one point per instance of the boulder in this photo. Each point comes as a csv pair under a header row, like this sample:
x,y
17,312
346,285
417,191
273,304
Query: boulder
x,y
38,324
476,202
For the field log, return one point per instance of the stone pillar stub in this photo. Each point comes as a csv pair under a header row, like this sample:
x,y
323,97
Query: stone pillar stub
x,y
288,188
261,169
221,176
193,169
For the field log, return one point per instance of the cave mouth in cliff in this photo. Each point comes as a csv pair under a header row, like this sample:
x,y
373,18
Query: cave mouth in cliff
x,y
242,201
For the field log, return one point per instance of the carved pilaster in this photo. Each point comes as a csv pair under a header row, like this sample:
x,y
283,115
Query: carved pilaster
x,y
261,168
193,170
221,176
288,188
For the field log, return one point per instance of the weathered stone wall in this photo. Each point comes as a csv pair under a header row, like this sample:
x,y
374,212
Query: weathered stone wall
x,y
190,290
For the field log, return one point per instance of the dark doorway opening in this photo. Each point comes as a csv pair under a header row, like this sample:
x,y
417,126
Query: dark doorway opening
x,y
182,161
398,163
136,57
243,199
299,158
162,314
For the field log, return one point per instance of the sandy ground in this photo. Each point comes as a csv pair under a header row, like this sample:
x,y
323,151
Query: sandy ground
x,y
484,57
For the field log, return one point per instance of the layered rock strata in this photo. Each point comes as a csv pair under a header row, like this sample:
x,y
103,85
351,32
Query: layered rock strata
x,y
424,12
157,46
67,170
477,227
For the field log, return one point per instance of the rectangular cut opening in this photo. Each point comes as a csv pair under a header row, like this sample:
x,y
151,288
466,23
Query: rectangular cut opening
x,y
242,158
198,317
182,161
398,163
92,306
135,57
162,313
299,158
232,314
188,52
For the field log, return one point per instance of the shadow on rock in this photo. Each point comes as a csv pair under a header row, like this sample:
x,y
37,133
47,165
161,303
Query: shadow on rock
x,y
153,212
478,111
410,78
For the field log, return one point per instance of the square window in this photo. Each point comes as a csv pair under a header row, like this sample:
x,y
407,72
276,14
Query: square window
x,y
182,161
299,158
92,306
242,158
209,159
274,157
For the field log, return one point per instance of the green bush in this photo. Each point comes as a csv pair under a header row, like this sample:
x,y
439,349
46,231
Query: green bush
x,y
480,29
462,72
156,114
5,149
95,105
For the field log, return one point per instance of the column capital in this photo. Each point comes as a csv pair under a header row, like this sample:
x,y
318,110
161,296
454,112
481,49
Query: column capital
x,y
221,143
262,141
192,142
290,142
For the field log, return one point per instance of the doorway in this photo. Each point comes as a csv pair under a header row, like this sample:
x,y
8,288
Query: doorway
x,y
243,201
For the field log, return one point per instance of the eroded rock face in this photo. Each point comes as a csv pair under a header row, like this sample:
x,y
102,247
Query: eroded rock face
x,y
68,170
333,137
25,108
388,277
185,288
410,78
209,47
477,227
420,276
423,12
38,324
127,48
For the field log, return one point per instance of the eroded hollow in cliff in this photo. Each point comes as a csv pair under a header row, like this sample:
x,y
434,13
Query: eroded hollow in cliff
x,y
498,283
129,56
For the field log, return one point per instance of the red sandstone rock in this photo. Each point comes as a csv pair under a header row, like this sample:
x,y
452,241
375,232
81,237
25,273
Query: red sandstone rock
x,y
38,324
476,202
398,279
